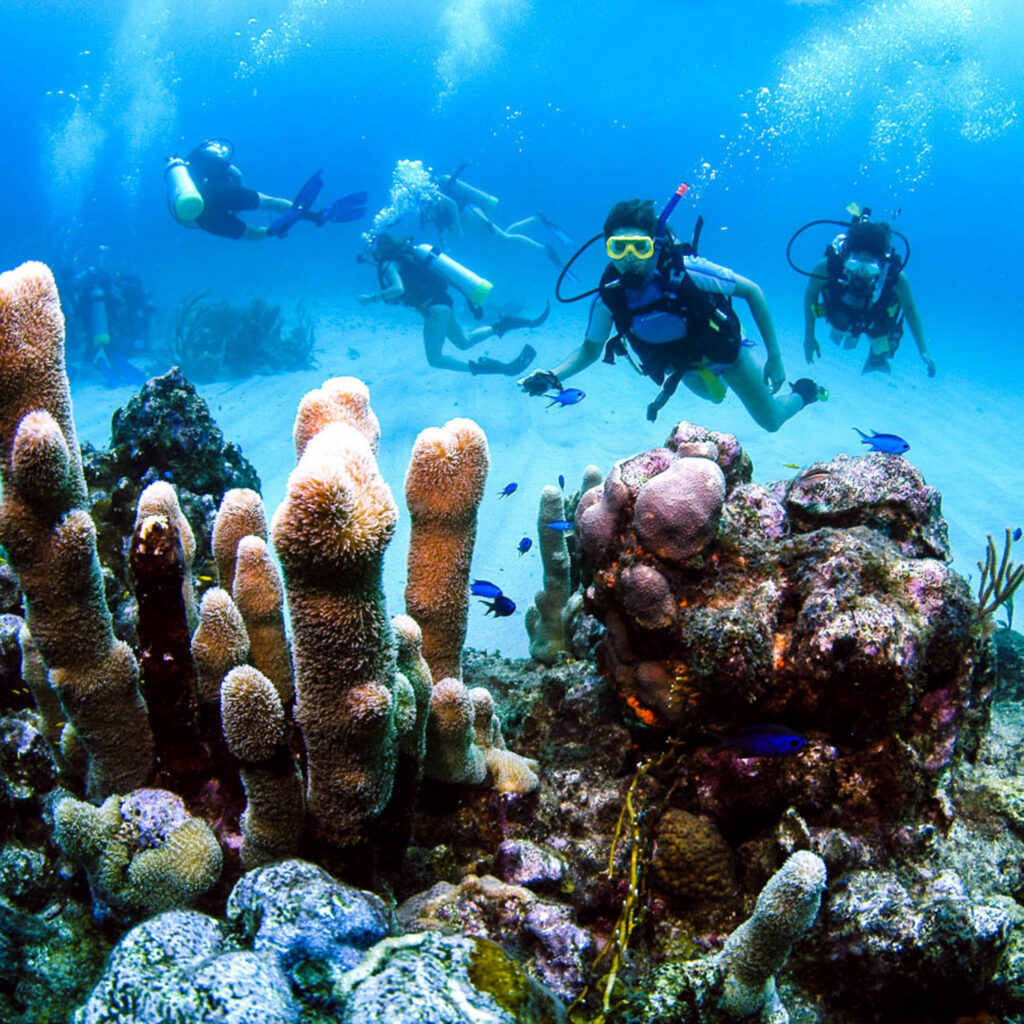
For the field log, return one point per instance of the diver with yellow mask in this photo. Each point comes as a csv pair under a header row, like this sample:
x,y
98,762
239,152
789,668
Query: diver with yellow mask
x,y
674,310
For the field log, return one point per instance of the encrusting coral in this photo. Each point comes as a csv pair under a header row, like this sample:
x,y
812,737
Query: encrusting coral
x,y
512,772
545,618
330,534
51,541
443,489
143,852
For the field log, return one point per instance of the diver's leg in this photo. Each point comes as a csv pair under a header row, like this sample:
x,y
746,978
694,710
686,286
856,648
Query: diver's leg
x,y
273,203
437,325
482,224
768,411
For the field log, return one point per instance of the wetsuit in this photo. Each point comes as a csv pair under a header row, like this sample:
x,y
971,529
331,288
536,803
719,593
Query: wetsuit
x,y
424,286
224,195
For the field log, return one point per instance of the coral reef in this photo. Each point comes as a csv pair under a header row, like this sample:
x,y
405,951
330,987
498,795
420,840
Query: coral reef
x,y
240,514
443,489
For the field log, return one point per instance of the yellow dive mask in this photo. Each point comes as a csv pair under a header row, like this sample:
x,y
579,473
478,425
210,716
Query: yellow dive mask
x,y
619,246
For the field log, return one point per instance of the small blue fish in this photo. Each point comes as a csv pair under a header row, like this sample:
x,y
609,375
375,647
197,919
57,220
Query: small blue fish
x,y
1018,533
567,396
560,524
500,606
890,443
507,490
561,481
524,545
484,588
764,741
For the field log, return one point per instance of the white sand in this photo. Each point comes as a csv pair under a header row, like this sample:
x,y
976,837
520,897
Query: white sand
x,y
963,434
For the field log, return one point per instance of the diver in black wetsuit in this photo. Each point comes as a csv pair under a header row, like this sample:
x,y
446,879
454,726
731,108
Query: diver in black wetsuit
x,y
405,277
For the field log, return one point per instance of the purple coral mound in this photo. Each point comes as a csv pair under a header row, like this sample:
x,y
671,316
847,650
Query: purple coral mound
x,y
824,603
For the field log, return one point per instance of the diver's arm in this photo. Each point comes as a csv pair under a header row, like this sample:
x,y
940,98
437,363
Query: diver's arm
x,y
774,373
393,290
913,318
598,328
811,295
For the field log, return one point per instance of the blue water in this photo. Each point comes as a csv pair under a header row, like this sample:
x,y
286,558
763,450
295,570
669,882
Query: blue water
x,y
775,112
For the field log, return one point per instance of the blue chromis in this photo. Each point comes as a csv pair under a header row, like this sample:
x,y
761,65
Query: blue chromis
x,y
561,481
500,606
891,443
567,396
764,741
524,545
1018,533
507,490
560,524
484,588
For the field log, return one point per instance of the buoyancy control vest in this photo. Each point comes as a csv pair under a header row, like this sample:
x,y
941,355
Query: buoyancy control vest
x,y
876,314
423,284
669,322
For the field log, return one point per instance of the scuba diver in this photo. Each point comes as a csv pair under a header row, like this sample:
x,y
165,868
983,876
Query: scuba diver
x,y
860,287
418,276
205,190
112,312
674,309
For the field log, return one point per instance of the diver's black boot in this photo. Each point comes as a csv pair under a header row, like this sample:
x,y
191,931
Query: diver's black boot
x,y
808,390
510,323
511,369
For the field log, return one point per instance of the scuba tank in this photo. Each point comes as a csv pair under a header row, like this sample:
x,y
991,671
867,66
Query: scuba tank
x,y
99,324
467,195
183,197
475,288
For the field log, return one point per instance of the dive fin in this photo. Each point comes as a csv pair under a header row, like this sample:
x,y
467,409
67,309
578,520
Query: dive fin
x,y
303,200
347,208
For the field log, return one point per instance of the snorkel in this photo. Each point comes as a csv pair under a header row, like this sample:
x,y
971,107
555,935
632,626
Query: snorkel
x,y
673,202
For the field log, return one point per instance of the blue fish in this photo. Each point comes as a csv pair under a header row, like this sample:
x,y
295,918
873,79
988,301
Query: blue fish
x,y
507,490
524,545
764,741
567,396
561,481
1018,533
484,588
500,606
560,524
890,443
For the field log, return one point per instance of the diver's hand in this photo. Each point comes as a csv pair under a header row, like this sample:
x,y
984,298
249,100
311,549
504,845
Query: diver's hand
x,y
811,348
540,381
774,373
929,365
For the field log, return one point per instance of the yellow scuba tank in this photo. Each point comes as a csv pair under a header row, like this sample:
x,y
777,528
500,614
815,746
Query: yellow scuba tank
x,y
99,324
473,286
467,195
183,197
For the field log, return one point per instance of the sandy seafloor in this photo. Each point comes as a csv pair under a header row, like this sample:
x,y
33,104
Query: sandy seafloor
x,y
964,431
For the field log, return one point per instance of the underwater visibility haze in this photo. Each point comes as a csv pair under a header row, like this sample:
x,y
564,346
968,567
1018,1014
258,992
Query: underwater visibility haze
x,y
795,670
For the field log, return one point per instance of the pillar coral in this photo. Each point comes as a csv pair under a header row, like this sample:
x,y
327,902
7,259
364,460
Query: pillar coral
x,y
259,594
545,619
443,489
241,514
51,541
256,731
330,534
338,400
219,644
